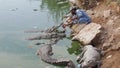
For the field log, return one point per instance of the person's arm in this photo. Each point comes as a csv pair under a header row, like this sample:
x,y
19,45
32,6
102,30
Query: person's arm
x,y
67,22
78,13
74,17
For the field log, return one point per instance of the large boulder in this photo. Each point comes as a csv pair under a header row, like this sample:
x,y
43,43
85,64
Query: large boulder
x,y
77,27
88,33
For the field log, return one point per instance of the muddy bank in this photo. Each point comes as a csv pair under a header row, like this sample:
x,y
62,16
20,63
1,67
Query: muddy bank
x,y
106,14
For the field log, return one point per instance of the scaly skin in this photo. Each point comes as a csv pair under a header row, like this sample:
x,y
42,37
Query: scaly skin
x,y
90,57
48,36
45,53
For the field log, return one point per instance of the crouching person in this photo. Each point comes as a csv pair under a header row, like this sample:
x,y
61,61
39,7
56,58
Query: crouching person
x,y
77,16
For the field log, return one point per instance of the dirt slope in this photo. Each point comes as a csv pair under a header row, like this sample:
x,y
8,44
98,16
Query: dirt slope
x,y
106,13
108,16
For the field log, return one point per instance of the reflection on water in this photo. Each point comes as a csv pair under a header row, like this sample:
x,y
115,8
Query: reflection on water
x,y
75,48
57,8
16,16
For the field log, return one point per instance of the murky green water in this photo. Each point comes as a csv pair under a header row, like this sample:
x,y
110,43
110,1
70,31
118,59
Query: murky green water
x,y
16,16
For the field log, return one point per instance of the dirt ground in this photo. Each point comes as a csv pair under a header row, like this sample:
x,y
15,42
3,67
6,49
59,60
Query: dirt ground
x,y
108,15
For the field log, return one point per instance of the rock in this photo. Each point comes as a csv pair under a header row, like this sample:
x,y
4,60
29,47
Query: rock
x,y
88,33
97,14
116,47
77,27
114,17
118,9
90,12
117,30
106,13
110,22
106,46
109,56
98,3
115,6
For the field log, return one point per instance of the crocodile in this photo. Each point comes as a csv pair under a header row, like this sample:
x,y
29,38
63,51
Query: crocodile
x,y
50,33
45,50
51,42
54,29
49,30
45,53
90,57
48,36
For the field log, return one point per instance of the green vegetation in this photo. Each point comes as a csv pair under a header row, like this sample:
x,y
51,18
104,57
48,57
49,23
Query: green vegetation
x,y
57,8
75,48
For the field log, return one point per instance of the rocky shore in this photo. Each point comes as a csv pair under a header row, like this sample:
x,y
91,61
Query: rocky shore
x,y
109,38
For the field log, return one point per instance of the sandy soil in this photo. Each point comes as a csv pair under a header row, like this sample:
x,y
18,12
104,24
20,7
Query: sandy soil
x,y
109,39
107,14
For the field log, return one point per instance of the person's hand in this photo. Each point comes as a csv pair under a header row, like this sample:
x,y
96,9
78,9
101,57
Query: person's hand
x,y
64,25
74,17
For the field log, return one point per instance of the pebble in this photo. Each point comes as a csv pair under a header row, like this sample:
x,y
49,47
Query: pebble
x,y
90,12
110,22
106,13
109,56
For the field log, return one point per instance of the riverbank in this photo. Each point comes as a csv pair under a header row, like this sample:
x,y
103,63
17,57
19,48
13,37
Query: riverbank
x,y
106,13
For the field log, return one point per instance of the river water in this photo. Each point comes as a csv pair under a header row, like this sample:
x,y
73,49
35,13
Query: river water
x,y
16,16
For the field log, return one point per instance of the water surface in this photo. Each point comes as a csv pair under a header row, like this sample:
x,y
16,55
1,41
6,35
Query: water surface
x,y
16,16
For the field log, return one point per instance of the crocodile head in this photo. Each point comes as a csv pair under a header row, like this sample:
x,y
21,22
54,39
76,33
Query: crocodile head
x,y
87,64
